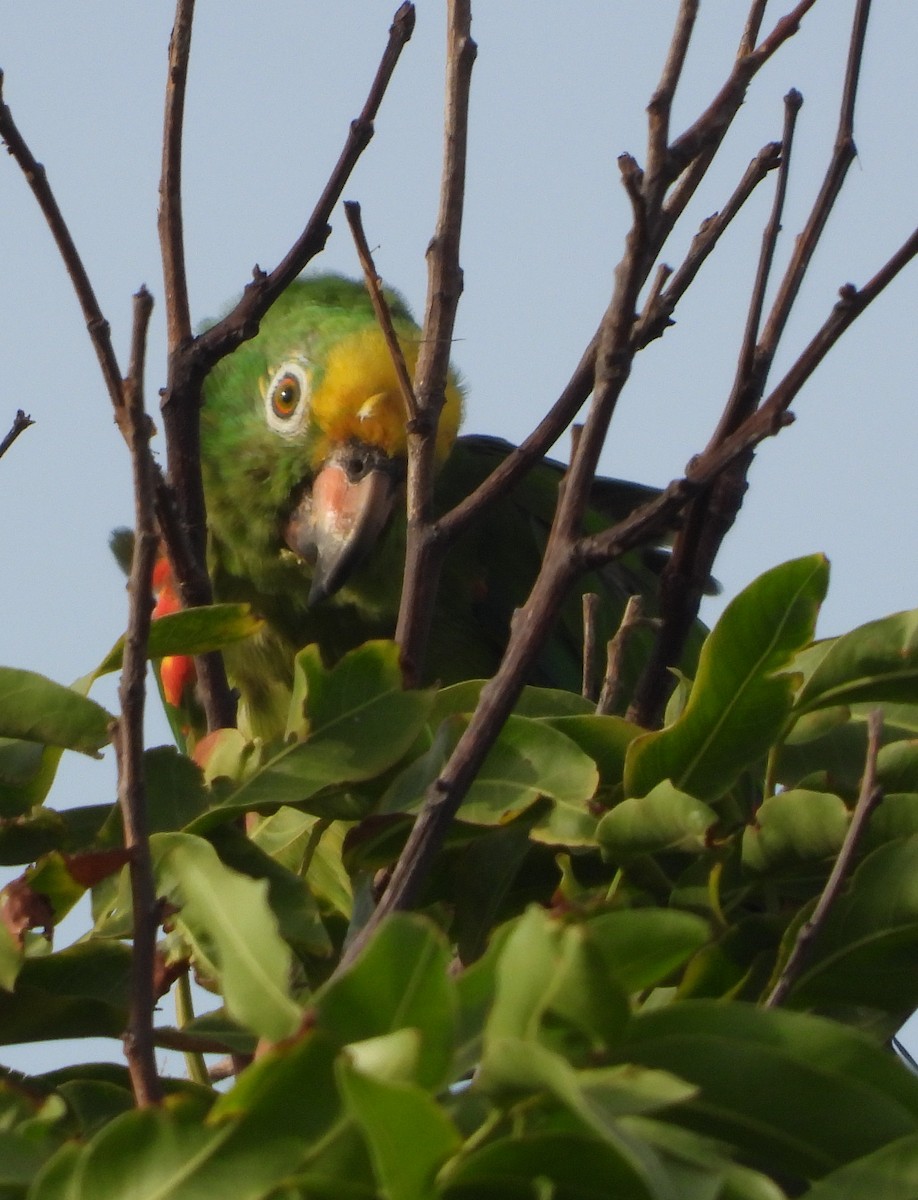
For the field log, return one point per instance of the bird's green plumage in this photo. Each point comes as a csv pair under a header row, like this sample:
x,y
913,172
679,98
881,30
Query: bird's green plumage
x,y
253,476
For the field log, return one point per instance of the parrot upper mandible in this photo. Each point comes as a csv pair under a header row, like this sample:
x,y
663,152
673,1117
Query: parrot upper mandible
x,y
303,447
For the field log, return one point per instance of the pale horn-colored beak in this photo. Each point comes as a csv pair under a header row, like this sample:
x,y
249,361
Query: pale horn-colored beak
x,y
340,520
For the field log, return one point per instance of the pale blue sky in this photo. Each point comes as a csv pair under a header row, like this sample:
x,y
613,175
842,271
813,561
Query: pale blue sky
x,y
558,93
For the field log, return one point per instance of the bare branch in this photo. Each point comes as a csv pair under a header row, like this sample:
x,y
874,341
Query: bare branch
x,y
632,618
868,798
843,155
381,308
590,606
37,180
21,422
661,302
709,129
128,730
660,107
242,322
424,551
171,238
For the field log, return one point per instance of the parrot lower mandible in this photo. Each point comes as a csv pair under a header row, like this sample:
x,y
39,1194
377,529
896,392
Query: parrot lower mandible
x,y
304,457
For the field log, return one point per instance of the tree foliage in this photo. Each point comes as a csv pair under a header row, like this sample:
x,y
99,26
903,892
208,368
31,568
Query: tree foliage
x,y
648,955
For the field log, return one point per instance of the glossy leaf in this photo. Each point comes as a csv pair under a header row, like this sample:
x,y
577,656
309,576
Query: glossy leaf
x,y
740,700
867,949
890,1172
226,918
665,819
793,827
357,721
409,1135
830,1077
34,708
191,631
580,1168
399,981
874,663
529,761
79,992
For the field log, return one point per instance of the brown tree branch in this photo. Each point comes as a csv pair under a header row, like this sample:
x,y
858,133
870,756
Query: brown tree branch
x,y
424,551
381,308
171,238
567,551
843,155
191,359
659,109
21,422
868,798
610,691
590,611
128,730
711,515
661,303
37,179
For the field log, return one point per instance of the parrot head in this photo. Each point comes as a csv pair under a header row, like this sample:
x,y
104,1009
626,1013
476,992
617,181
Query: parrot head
x,y
304,448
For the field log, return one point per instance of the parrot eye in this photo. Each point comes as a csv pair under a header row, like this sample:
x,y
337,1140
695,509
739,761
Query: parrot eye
x,y
286,399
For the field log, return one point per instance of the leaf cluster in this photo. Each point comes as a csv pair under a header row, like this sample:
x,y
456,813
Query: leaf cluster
x,y
581,1007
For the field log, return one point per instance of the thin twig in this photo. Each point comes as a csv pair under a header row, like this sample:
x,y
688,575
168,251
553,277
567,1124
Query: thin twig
x,y
21,422
381,308
632,619
843,154
590,607
870,795
712,515
138,1038
567,549
37,180
423,552
659,306
171,238
660,107
241,323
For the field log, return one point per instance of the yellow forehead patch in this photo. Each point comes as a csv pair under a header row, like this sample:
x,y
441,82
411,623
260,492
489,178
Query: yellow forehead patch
x,y
359,397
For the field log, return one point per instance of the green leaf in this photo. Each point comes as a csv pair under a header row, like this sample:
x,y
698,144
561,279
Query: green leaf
x,y
289,895
409,1135
191,631
513,1067
82,991
228,922
867,948
740,700
874,663
642,946
399,981
578,1167
548,967
793,827
529,761
359,721
815,1081
28,838
666,819
36,709
890,1173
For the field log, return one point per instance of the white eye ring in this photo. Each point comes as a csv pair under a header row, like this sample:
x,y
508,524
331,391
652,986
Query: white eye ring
x,y
287,399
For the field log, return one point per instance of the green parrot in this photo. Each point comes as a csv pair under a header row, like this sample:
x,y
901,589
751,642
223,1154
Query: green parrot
x,y
304,457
